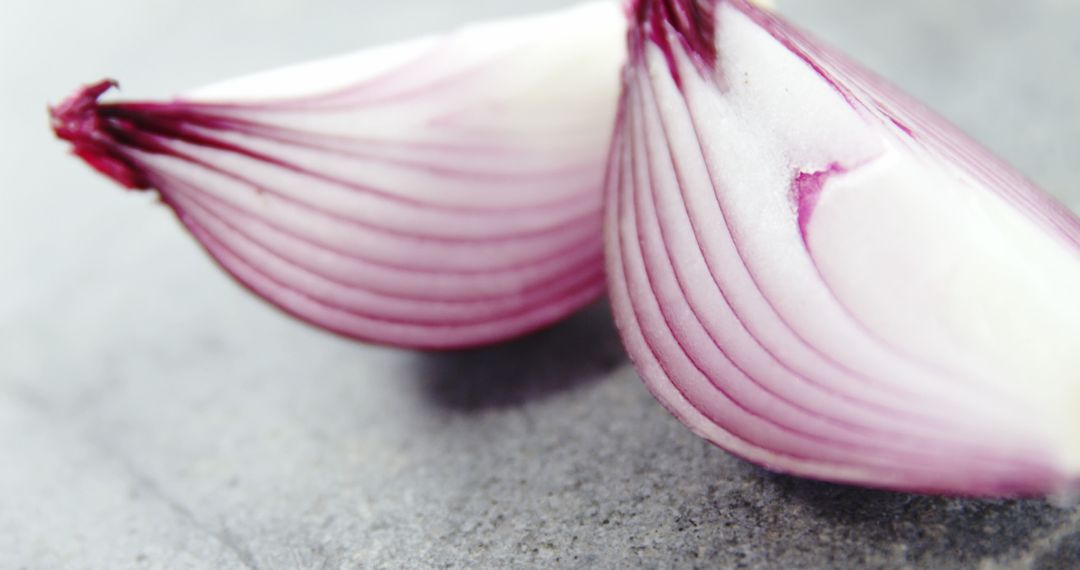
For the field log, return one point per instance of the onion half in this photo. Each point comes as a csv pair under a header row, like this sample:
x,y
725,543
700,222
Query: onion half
x,y
441,193
816,273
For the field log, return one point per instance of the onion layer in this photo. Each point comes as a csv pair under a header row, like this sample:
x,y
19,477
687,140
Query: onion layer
x,y
815,272
441,193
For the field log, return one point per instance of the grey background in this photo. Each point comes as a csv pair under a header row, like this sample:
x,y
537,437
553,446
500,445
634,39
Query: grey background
x,y
154,415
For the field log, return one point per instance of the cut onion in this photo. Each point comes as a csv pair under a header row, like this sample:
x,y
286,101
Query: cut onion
x,y
816,273
440,193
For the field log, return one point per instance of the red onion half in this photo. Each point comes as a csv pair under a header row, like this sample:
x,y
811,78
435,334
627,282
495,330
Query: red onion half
x,y
440,193
814,272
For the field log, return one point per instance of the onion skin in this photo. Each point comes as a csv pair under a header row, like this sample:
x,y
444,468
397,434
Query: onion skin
x,y
816,273
440,193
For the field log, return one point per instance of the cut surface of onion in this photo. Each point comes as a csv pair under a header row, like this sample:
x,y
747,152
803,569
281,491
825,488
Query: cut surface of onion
x,y
439,193
816,273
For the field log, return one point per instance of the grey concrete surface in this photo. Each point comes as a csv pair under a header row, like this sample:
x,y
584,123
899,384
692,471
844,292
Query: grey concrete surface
x,y
153,415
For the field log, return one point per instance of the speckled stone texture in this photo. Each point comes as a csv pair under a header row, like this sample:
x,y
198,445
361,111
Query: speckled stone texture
x,y
153,415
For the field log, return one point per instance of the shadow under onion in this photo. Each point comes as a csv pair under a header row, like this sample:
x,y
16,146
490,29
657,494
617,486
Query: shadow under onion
x,y
966,531
560,358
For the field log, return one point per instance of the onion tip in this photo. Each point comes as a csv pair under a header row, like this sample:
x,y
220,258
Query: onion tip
x,y
692,24
78,121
